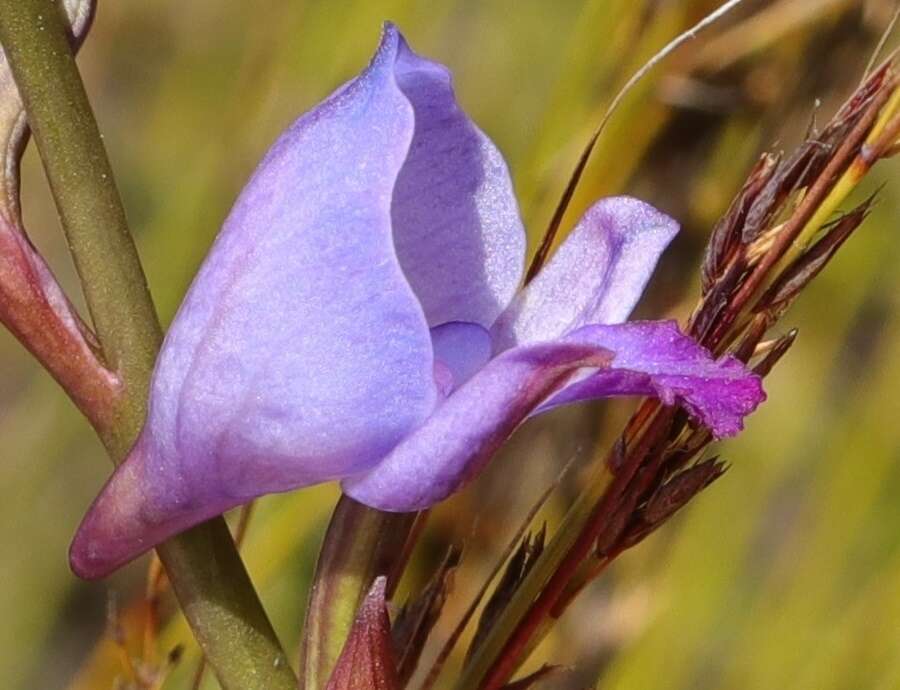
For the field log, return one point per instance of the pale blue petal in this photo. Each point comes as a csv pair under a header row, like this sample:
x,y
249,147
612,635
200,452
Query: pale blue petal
x,y
596,276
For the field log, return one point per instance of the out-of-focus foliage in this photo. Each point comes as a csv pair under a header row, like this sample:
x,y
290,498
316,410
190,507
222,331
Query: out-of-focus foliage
x,y
786,573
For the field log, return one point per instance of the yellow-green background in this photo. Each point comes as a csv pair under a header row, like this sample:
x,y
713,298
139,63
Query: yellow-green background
x,y
785,574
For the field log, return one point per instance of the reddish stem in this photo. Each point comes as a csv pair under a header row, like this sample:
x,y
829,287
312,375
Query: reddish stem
x,y
35,310
602,517
813,199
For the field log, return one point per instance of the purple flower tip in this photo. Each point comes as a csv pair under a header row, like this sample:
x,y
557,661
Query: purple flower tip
x,y
360,317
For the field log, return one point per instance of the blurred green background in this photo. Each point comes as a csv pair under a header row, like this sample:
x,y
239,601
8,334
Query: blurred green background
x,y
786,573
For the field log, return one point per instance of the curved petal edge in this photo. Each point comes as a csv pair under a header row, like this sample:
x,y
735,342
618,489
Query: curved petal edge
x,y
596,276
655,358
457,229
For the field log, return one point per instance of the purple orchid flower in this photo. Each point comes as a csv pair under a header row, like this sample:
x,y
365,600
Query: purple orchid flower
x,y
360,318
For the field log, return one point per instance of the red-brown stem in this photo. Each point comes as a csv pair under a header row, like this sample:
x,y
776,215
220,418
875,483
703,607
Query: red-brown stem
x,y
885,141
592,571
509,659
511,546
813,199
26,310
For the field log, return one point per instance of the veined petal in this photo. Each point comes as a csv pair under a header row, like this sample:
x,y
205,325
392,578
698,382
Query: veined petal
x,y
457,228
596,276
654,358
465,431
300,353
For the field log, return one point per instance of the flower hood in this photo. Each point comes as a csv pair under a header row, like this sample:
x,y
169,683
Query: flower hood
x,y
360,317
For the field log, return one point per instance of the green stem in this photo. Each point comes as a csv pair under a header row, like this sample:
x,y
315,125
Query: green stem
x,y
91,212
361,543
203,565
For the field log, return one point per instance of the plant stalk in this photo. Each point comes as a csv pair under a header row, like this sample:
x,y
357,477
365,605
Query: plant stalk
x,y
361,544
558,550
206,572
506,645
